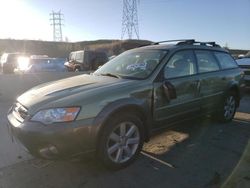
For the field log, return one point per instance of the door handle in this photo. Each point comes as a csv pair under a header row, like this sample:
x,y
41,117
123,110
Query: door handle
x,y
198,86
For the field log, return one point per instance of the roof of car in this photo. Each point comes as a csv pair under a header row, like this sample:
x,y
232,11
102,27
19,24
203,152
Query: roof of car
x,y
15,53
47,58
187,44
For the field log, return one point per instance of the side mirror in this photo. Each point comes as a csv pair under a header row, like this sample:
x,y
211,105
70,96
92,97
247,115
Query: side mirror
x,y
169,90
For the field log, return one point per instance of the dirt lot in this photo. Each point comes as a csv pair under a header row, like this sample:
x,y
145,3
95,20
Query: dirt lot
x,y
198,153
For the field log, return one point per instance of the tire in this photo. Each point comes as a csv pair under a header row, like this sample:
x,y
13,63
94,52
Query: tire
x,y
7,70
227,112
121,141
77,69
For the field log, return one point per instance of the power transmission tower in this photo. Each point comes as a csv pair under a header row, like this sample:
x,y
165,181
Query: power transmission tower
x,y
56,21
130,24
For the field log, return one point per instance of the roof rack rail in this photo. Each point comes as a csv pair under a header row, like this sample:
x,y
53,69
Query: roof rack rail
x,y
208,43
188,42
200,43
178,40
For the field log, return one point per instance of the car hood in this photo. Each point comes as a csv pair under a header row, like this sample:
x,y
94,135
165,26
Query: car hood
x,y
39,96
243,62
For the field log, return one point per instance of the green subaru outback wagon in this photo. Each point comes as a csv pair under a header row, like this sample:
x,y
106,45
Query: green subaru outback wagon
x,y
113,111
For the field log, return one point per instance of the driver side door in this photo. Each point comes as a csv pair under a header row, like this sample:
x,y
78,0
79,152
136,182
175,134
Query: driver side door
x,y
176,96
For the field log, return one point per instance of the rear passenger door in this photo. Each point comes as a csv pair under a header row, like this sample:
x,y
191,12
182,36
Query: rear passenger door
x,y
211,82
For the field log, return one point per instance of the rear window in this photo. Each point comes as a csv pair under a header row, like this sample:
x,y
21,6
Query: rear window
x,y
225,60
79,57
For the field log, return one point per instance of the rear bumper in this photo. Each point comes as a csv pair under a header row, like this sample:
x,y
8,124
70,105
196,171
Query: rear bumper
x,y
55,141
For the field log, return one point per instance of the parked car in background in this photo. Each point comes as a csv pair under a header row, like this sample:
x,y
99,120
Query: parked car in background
x,y
85,60
10,61
244,64
113,111
46,64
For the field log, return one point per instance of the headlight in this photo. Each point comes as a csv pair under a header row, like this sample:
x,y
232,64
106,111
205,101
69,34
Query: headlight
x,y
54,115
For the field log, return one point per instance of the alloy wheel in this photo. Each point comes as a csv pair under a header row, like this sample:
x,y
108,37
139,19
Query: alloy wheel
x,y
229,107
123,142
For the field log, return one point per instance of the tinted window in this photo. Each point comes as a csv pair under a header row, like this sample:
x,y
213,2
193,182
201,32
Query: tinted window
x,y
181,64
225,60
206,61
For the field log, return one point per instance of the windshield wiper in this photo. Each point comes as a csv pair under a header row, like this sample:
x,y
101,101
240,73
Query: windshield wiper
x,y
111,75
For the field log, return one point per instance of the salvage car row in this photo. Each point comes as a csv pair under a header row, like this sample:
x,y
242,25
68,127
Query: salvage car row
x,y
77,61
83,60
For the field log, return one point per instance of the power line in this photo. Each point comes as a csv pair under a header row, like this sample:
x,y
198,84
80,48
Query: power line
x,y
130,24
56,19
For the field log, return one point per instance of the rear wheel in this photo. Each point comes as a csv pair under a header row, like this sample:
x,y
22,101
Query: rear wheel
x,y
8,70
228,110
121,141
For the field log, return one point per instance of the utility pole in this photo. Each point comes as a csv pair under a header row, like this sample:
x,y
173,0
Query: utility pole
x,y
130,24
56,22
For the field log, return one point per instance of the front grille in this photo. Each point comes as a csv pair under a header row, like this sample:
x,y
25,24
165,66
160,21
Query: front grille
x,y
20,111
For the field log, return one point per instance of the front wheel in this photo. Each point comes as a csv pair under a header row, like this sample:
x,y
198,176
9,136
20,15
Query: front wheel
x,y
121,141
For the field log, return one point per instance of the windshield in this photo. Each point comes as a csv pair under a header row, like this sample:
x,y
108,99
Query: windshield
x,y
133,64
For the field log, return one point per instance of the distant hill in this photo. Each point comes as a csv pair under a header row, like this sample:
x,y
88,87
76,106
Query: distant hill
x,y
62,49
236,52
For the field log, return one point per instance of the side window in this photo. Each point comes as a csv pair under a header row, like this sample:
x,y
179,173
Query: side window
x,y
206,61
225,60
79,57
4,58
181,64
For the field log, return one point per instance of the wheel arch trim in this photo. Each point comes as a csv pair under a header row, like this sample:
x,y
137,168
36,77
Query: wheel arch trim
x,y
234,86
119,106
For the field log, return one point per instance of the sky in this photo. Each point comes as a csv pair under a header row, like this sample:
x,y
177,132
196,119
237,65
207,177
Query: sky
x,y
225,21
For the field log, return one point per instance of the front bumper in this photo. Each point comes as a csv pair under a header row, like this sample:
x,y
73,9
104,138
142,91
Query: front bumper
x,y
55,141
